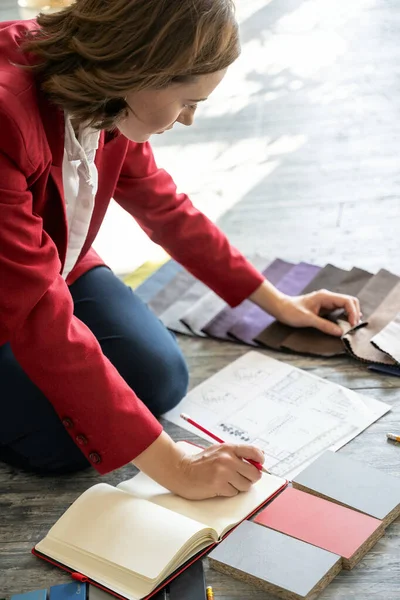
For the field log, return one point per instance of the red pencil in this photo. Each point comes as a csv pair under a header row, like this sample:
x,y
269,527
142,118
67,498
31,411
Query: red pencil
x,y
220,441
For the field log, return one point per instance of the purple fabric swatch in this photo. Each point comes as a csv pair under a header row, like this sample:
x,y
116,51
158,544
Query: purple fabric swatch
x,y
256,319
220,325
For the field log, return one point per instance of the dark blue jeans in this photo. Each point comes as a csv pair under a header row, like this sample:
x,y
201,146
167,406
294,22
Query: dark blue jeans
x,y
135,341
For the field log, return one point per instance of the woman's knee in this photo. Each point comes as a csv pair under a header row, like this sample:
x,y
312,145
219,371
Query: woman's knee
x,y
168,382
158,374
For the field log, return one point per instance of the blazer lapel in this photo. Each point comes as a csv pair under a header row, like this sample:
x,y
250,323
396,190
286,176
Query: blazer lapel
x,y
53,123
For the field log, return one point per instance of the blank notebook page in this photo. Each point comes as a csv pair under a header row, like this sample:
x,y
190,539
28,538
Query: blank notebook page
x,y
123,530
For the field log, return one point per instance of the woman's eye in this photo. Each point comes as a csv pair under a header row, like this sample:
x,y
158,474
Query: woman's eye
x,y
191,106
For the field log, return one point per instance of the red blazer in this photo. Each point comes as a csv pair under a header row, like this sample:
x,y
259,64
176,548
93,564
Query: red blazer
x,y
57,351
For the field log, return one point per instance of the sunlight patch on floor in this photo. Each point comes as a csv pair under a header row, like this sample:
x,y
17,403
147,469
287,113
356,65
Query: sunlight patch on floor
x,y
230,151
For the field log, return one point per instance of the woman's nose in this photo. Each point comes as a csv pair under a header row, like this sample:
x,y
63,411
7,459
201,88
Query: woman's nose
x,y
186,117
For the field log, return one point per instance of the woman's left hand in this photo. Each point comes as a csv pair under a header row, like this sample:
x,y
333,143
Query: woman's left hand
x,y
306,311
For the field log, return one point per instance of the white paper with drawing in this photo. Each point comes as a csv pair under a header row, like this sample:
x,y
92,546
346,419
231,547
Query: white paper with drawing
x,y
291,415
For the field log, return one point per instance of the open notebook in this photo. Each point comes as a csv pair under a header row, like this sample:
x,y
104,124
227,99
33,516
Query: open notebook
x,y
130,539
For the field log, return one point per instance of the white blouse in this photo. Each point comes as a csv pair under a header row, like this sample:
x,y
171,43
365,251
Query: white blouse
x,y
80,180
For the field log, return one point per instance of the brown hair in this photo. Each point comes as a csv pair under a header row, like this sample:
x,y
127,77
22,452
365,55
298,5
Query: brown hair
x,y
91,54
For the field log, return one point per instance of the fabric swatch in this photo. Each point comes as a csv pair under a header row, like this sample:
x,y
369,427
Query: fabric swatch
x,y
202,312
256,319
312,341
354,282
335,476
171,292
157,281
172,314
388,339
142,273
206,309
373,294
327,525
358,339
276,563
220,325
329,277
351,285
376,291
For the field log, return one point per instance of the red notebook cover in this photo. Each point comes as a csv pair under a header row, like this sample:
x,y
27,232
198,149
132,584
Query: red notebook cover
x,y
319,522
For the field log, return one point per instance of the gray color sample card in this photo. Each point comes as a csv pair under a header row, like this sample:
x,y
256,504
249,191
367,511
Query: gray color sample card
x,y
274,562
354,484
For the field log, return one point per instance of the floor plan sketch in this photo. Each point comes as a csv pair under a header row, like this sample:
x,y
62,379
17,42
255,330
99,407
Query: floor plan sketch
x,y
291,415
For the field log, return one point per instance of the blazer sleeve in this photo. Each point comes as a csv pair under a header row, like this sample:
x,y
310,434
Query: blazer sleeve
x,y
55,349
170,219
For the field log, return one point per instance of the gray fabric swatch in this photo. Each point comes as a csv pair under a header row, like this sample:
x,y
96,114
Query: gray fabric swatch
x,y
202,312
172,314
157,281
171,292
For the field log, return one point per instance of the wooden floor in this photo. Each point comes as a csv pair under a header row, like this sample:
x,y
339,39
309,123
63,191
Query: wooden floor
x,y
308,150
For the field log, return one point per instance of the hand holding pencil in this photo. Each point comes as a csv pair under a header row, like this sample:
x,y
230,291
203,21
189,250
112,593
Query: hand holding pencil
x,y
220,470
223,470
214,437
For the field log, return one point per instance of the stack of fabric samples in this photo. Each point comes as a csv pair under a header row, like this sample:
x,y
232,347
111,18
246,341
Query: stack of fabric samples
x,y
187,306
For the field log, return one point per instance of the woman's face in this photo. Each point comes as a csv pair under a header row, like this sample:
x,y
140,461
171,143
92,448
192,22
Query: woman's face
x,y
156,111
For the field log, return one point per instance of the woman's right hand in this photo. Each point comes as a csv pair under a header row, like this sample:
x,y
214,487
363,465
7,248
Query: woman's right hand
x,y
216,471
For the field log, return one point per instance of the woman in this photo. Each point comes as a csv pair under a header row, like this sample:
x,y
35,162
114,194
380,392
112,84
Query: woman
x,y
84,365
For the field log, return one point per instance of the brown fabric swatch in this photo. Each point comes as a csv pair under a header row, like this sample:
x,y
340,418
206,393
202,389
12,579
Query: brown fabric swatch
x,y
388,340
374,293
274,335
358,340
312,341
354,282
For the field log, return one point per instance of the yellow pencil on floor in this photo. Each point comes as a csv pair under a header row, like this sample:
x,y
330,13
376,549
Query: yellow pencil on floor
x,y
210,593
